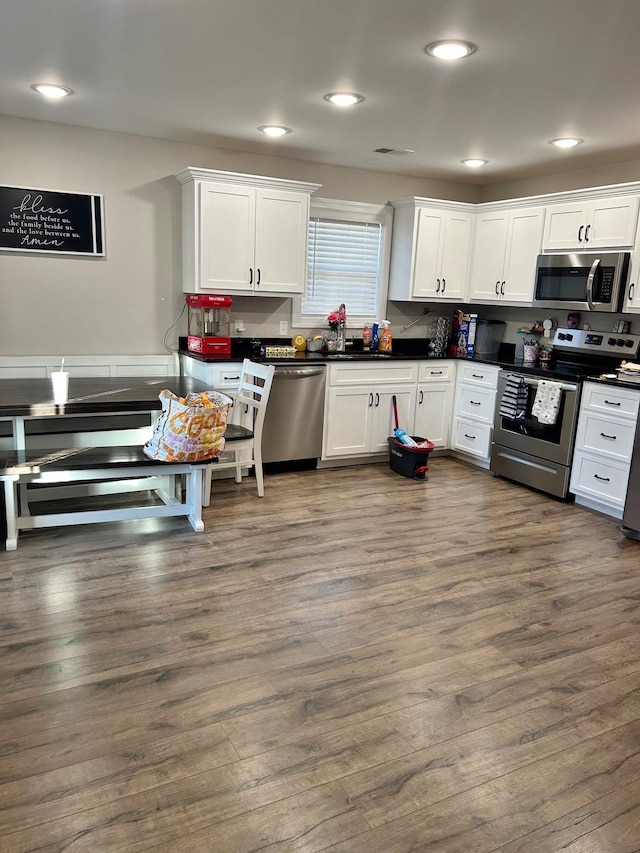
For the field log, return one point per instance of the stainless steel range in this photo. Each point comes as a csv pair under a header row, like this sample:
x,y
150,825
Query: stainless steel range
x,y
529,450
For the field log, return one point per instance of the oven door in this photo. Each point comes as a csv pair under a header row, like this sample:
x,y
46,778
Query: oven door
x,y
551,442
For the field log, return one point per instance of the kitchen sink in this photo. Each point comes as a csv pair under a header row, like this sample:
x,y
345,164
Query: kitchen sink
x,y
357,356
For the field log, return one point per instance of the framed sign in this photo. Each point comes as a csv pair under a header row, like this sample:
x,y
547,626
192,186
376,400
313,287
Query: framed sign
x,y
51,221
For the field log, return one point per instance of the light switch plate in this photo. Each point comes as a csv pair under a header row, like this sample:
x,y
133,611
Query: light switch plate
x,y
284,327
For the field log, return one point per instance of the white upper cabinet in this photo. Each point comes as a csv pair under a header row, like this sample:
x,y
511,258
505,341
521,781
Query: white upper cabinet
x,y
600,223
243,233
503,261
430,251
632,299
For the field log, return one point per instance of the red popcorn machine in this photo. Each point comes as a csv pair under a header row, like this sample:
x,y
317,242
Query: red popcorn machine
x,y
209,324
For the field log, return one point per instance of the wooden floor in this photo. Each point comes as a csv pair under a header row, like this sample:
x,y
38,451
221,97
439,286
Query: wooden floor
x,y
356,663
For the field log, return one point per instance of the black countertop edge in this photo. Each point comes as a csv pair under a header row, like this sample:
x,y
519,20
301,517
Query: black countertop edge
x,y
377,358
618,383
335,358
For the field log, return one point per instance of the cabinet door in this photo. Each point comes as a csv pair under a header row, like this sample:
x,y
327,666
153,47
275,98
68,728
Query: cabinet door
x,y
565,226
383,421
430,227
524,242
433,413
348,422
454,265
227,237
612,223
632,302
488,256
282,220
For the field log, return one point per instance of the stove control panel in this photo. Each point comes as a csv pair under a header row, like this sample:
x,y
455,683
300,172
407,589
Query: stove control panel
x,y
600,343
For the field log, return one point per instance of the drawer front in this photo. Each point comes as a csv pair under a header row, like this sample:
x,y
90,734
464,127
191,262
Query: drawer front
x,y
600,480
614,401
471,438
612,438
365,374
439,371
478,374
475,403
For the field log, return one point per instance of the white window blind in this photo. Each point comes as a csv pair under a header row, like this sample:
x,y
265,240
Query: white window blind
x,y
344,263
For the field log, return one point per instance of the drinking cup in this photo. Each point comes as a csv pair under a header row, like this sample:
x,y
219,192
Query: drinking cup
x,y
60,385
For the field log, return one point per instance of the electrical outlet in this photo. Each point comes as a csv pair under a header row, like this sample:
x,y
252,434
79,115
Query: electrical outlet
x,y
284,327
239,326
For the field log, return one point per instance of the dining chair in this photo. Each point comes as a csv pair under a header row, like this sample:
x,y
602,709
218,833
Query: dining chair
x,y
249,408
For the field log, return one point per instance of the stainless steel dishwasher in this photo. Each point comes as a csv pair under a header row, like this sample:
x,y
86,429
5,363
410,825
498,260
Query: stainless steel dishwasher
x,y
295,413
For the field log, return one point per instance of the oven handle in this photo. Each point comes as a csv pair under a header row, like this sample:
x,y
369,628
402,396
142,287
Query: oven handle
x,y
535,382
590,278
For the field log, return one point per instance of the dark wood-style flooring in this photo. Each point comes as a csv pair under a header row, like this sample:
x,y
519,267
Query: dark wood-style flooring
x,y
356,663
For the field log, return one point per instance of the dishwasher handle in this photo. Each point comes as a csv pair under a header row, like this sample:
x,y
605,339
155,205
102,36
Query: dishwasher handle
x,y
298,372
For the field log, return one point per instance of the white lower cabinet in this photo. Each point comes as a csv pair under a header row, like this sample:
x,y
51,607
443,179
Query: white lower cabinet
x,y
359,411
604,446
434,402
474,404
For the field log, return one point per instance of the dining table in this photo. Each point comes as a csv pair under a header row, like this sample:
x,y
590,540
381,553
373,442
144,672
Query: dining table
x,y
92,403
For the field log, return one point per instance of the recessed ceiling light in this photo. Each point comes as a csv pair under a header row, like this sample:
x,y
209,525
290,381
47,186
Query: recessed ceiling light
x,y
344,99
566,142
274,129
52,90
450,49
474,162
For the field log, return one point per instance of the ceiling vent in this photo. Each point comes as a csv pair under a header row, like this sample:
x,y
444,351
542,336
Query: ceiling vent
x,y
394,151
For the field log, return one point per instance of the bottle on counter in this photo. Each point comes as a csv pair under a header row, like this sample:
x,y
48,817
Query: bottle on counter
x,y
374,338
386,338
366,338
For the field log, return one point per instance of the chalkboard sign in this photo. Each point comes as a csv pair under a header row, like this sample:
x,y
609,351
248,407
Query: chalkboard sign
x,y
50,221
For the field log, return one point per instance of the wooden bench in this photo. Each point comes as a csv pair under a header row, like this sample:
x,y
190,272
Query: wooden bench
x,y
97,464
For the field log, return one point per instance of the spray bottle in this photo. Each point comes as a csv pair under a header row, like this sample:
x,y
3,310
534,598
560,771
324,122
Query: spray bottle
x,y
385,337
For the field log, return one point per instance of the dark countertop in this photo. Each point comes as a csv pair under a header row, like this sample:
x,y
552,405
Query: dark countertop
x,y
91,395
504,360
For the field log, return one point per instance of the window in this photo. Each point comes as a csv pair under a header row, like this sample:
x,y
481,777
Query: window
x,y
347,261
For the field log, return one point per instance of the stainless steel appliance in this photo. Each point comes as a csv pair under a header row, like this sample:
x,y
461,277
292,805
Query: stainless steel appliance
x,y
538,454
582,281
293,423
631,516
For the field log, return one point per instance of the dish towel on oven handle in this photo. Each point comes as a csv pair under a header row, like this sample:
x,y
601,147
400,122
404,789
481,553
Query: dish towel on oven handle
x,y
547,401
514,398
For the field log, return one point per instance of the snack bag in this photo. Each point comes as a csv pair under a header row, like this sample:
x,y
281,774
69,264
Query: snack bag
x,y
190,429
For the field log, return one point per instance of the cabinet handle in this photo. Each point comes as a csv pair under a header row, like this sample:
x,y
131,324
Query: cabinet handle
x,y
478,375
250,276
612,403
444,284
473,403
497,288
472,437
258,277
612,437
586,233
436,372
502,288
580,230
632,289
421,398
438,285
370,400
377,399
604,479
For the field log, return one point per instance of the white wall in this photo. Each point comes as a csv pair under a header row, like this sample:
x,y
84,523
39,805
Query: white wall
x,y
125,303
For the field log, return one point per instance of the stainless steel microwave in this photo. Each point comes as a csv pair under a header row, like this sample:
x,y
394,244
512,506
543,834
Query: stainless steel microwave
x,y
582,281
